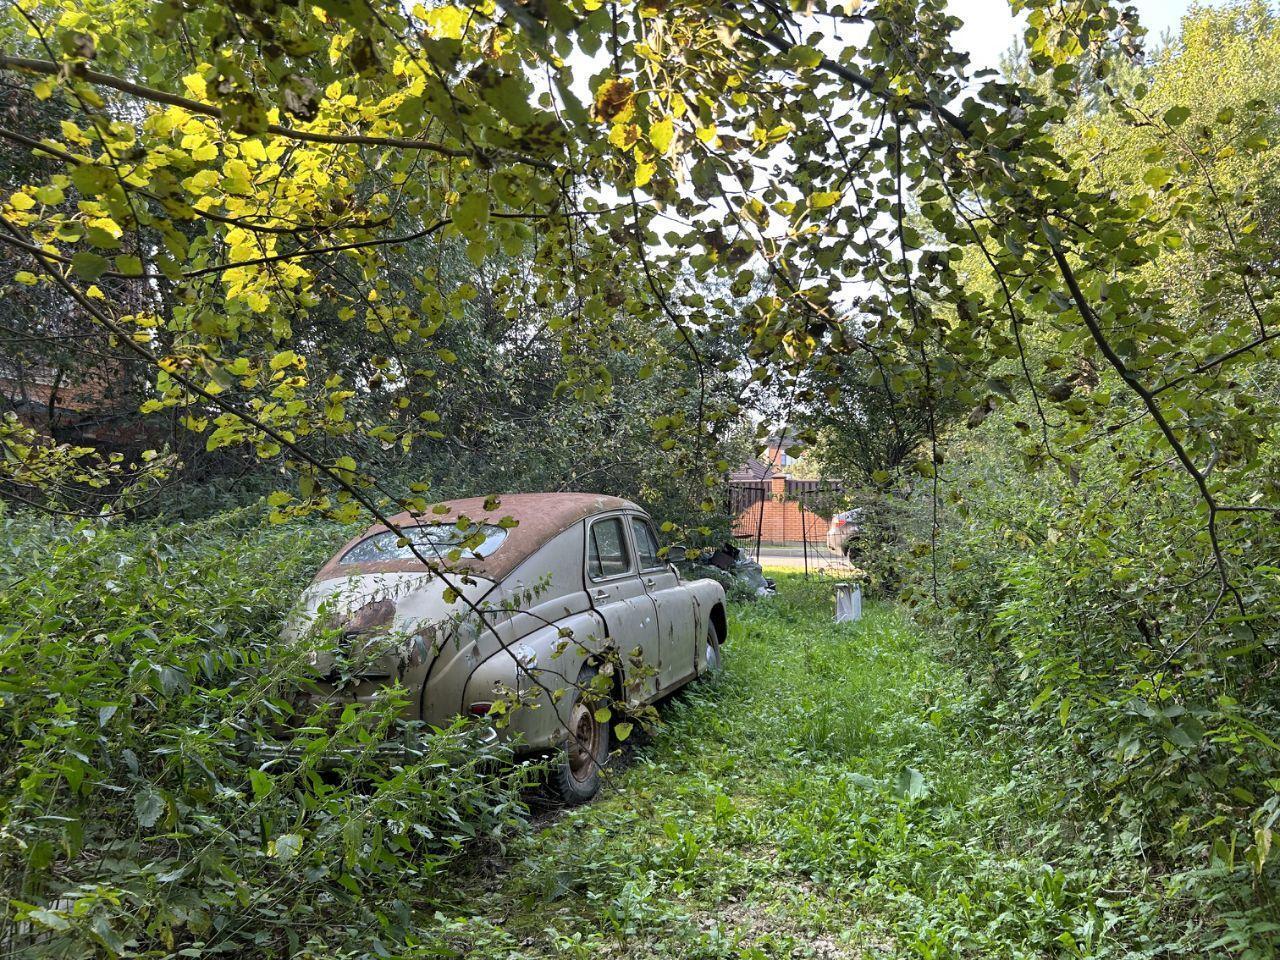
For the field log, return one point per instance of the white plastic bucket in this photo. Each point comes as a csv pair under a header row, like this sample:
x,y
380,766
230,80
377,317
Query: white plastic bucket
x,y
848,602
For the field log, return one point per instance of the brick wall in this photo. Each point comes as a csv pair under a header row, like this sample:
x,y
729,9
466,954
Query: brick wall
x,y
782,521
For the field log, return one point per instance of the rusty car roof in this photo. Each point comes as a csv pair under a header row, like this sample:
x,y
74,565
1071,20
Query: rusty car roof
x,y
539,516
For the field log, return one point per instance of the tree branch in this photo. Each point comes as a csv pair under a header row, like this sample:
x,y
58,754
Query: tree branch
x,y
195,106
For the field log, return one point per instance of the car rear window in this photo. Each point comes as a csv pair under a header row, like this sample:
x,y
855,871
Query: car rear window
x,y
646,544
434,540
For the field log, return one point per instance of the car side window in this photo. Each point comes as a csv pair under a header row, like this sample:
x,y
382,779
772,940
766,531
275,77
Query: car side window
x,y
646,543
607,554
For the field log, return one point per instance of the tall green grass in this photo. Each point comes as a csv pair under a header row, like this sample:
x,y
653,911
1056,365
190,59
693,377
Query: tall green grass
x,y
839,791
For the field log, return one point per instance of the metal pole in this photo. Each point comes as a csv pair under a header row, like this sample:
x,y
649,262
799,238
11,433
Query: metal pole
x,y
804,534
760,521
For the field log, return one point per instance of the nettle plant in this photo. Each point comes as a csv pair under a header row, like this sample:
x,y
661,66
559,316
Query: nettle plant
x,y
815,185
162,792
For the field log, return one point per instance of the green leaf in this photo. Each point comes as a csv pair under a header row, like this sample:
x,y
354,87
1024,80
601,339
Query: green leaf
x,y
129,265
863,782
910,784
471,215
50,195
88,265
510,97
806,56
147,807
50,919
90,179
285,847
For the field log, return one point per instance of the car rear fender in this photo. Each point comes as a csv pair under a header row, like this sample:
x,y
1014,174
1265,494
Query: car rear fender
x,y
708,596
537,666
379,629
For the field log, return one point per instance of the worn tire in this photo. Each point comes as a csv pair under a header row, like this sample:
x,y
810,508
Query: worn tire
x,y
578,770
712,657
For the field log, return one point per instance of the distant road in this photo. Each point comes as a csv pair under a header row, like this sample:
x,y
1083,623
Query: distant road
x,y
791,557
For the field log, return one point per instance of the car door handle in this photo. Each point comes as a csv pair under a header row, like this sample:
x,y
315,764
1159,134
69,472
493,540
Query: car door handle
x,y
600,594
649,581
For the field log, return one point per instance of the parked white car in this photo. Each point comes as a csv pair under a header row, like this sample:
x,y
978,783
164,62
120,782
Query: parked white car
x,y
536,608
844,529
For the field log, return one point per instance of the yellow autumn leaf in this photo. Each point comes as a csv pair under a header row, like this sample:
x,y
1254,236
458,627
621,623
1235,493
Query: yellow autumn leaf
x,y
661,134
108,226
202,182
253,150
615,101
71,133
444,23
195,85
624,135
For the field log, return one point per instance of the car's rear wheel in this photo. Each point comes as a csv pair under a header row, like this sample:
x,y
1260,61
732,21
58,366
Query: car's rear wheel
x,y
579,769
712,661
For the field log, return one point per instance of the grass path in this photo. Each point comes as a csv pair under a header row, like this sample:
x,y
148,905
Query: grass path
x,y
828,796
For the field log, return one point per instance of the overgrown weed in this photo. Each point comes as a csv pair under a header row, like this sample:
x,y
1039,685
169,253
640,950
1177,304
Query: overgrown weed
x,y
840,791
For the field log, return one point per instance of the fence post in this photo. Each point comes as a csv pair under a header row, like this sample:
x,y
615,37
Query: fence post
x,y
804,532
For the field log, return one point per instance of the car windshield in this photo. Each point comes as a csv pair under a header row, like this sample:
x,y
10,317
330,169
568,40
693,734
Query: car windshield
x,y
431,541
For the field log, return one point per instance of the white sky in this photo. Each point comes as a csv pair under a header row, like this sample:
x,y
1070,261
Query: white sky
x,y
989,28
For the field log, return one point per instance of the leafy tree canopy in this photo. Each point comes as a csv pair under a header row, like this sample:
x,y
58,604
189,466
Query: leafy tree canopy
x,y
227,175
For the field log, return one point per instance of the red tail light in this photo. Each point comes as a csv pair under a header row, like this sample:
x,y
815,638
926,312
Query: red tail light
x,y
480,708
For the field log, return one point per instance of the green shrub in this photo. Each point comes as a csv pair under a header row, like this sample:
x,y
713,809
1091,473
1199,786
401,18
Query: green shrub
x,y
1092,614
147,804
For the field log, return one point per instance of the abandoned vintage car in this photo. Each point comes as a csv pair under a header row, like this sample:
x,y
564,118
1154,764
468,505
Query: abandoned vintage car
x,y
539,592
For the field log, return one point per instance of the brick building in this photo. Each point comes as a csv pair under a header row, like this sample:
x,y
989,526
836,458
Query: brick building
x,y
85,406
771,505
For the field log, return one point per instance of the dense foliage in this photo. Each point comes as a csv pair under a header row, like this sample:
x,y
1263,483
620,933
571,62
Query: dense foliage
x,y
159,791
1130,628
328,236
